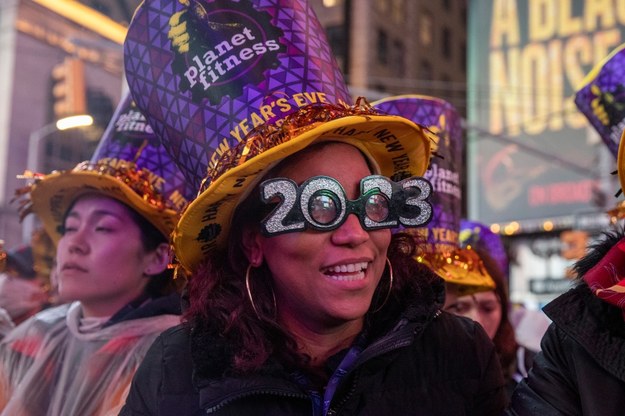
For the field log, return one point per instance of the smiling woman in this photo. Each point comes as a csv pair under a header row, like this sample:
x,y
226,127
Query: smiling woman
x,y
300,301
340,319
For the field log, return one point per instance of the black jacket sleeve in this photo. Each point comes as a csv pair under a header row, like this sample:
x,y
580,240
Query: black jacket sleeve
x,y
550,386
166,368
144,390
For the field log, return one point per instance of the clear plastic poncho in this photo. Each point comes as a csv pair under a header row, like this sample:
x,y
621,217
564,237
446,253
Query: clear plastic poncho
x,y
48,367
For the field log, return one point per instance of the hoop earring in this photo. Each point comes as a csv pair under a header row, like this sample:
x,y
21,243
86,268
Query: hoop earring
x,y
251,298
390,286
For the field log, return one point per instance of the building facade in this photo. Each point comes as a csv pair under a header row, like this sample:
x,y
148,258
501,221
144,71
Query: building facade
x,y
394,47
58,58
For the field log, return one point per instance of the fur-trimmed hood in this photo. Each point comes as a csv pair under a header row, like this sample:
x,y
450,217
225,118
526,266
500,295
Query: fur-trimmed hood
x,y
596,252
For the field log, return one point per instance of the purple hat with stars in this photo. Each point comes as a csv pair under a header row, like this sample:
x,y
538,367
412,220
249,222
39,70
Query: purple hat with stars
x,y
442,119
602,98
206,73
129,165
442,251
234,87
129,138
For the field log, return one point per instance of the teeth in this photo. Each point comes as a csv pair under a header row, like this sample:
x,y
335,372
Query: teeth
x,y
348,268
348,278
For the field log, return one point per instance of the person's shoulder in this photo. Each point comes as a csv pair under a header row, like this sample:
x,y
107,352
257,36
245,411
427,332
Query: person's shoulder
x,y
170,350
461,347
32,335
174,340
52,314
460,325
579,304
458,333
44,320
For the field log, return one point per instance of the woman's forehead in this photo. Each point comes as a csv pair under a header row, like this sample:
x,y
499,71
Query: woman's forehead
x,y
328,158
97,202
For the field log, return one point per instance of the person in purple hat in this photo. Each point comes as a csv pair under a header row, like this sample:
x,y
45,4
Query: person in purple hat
x,y
300,300
110,220
304,306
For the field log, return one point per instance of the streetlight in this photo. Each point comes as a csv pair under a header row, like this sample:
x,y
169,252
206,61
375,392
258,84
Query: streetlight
x,y
34,152
34,141
71,122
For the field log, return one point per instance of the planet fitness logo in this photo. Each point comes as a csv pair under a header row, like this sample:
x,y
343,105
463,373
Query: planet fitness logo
x,y
222,46
132,128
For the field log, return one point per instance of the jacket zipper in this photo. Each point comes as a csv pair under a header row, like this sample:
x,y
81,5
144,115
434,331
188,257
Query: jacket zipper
x,y
397,340
333,410
278,393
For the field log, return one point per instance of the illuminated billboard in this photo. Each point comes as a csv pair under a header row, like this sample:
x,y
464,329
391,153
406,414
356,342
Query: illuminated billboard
x,y
531,155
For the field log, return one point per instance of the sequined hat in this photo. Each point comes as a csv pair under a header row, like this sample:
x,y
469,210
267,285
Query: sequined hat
x,y
601,98
234,87
441,249
478,236
129,165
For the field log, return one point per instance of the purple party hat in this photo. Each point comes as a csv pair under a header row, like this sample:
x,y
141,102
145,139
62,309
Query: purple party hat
x,y
205,73
479,236
602,98
129,165
444,172
442,249
234,87
129,138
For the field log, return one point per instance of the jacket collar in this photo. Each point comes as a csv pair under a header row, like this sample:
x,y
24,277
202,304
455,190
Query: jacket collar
x,y
596,325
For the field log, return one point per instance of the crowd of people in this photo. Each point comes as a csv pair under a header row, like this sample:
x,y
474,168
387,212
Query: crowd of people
x,y
278,273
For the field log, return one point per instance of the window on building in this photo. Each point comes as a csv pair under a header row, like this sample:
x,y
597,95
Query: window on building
x,y
336,39
382,48
446,43
425,71
397,59
425,29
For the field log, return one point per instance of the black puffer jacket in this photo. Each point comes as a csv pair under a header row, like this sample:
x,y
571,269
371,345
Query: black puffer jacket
x,y
426,363
581,369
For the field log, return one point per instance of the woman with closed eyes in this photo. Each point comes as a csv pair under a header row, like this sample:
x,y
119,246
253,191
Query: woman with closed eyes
x,y
110,223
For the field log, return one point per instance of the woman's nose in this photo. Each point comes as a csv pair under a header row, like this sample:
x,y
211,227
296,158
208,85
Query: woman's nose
x,y
77,242
350,232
